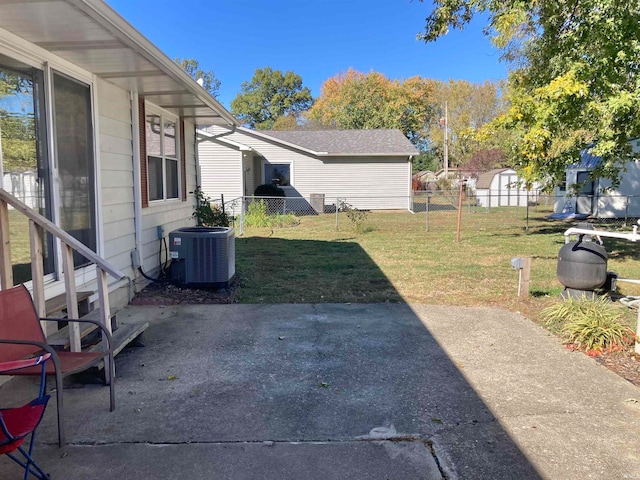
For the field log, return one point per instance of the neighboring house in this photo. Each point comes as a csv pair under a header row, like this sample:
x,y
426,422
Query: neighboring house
x,y
452,173
501,187
370,169
422,178
110,124
596,197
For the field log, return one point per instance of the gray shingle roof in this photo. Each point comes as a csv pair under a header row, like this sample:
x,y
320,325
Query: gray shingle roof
x,y
347,142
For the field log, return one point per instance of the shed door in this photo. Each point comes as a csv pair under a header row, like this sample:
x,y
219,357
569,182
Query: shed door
x,y
585,198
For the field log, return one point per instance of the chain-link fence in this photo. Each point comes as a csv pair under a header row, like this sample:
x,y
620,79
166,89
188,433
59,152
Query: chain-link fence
x,y
435,210
611,209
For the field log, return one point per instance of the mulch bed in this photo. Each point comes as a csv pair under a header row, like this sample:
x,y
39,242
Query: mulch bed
x,y
165,293
625,364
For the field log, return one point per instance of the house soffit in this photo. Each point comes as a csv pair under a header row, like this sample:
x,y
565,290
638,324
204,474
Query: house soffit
x,y
91,35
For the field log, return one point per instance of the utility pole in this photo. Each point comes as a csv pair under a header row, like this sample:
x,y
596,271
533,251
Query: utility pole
x,y
444,124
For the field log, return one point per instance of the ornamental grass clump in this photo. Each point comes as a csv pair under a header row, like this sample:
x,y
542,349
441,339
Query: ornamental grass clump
x,y
591,325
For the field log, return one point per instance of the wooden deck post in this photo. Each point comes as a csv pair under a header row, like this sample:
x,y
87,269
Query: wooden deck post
x,y
37,268
105,317
103,295
6,268
72,297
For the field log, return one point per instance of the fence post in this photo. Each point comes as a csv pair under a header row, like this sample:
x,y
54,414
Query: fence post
x,y
526,225
626,210
242,207
6,267
337,210
426,210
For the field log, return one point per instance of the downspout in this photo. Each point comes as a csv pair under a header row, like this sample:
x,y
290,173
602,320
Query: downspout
x,y
137,192
410,201
197,156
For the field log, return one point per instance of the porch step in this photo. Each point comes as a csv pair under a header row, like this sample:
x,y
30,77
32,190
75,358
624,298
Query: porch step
x,y
126,334
60,339
59,303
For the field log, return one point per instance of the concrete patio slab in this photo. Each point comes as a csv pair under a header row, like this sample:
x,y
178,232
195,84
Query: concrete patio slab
x,y
345,391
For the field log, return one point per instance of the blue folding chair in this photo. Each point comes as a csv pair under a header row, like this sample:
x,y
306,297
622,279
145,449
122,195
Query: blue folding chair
x,y
16,424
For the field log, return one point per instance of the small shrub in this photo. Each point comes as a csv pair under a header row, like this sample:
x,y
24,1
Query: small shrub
x,y
356,216
269,190
444,184
207,215
257,216
591,325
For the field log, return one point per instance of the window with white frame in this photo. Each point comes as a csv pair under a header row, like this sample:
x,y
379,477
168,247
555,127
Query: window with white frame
x,y
161,134
278,174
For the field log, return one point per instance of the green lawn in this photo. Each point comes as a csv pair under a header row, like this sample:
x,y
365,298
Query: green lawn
x,y
397,260
20,250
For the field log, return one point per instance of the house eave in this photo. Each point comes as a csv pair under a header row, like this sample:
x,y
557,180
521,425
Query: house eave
x,y
368,155
284,143
104,44
206,136
264,136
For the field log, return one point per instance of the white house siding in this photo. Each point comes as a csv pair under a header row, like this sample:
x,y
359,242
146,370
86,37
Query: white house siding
x,y
364,183
373,183
220,170
116,175
623,201
171,214
620,202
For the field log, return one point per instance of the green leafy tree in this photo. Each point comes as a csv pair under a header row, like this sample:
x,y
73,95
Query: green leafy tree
x,y
268,96
17,130
209,81
286,122
574,80
470,106
426,160
356,100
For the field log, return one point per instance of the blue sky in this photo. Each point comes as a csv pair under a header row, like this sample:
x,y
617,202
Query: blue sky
x,y
316,39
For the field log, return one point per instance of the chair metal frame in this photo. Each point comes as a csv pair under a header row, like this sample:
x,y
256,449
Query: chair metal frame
x,y
60,359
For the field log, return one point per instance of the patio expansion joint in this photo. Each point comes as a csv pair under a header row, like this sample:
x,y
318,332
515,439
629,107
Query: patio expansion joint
x,y
407,438
266,443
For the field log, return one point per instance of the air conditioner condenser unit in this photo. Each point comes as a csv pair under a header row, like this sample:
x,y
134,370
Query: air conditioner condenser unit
x,y
203,256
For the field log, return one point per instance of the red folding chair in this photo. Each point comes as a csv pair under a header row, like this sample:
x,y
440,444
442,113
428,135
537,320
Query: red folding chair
x,y
21,336
16,424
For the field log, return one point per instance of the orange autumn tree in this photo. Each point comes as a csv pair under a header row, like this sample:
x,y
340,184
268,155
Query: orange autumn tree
x,y
356,100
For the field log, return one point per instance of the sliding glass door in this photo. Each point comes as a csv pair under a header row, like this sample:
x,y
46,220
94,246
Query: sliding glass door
x,y
74,153
24,164
47,158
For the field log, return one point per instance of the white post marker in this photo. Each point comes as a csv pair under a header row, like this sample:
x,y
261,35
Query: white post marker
x,y
523,265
